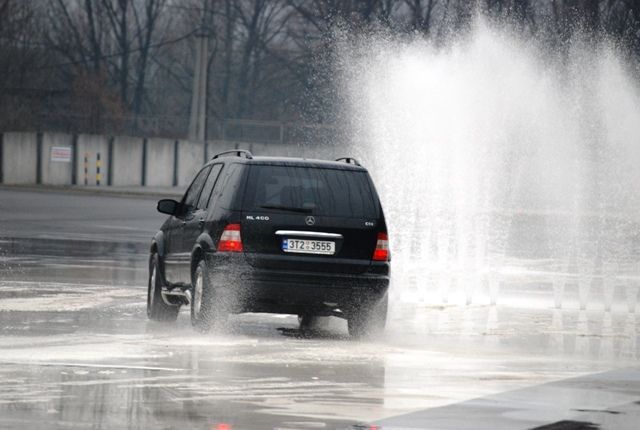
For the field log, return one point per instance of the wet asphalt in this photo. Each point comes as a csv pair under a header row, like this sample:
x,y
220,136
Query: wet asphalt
x,y
77,351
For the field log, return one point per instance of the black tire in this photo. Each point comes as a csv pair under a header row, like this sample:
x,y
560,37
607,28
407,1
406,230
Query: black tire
x,y
368,320
207,311
308,322
157,309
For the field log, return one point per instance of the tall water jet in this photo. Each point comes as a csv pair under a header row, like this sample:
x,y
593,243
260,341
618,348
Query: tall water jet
x,y
501,162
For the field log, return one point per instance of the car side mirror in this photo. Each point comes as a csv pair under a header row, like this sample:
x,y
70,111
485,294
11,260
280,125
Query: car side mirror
x,y
168,206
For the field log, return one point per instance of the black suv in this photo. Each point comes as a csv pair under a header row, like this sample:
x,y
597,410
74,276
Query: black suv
x,y
278,235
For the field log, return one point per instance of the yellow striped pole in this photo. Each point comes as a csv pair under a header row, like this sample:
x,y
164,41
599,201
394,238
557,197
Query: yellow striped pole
x,y
98,163
86,168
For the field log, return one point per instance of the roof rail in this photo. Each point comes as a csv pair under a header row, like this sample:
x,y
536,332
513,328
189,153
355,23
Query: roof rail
x,y
349,160
237,152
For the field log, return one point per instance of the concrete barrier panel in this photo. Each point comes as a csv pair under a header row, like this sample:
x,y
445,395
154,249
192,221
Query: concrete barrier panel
x,y
261,149
274,149
190,160
258,149
20,158
160,162
322,152
56,167
90,145
127,161
217,146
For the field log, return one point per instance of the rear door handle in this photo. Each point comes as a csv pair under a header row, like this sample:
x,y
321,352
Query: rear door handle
x,y
201,222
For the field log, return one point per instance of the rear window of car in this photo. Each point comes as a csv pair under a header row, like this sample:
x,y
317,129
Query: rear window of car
x,y
320,191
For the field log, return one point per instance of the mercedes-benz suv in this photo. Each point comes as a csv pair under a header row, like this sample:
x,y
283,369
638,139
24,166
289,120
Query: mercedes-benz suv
x,y
277,235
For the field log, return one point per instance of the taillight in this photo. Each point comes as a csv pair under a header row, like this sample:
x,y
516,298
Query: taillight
x,y
230,240
382,248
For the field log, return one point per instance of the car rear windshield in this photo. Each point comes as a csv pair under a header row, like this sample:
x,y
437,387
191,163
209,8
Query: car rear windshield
x,y
313,190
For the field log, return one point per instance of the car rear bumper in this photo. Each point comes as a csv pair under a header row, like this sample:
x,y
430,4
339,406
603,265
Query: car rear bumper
x,y
290,291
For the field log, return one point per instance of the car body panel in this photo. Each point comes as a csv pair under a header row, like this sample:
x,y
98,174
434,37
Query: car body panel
x,y
294,291
263,276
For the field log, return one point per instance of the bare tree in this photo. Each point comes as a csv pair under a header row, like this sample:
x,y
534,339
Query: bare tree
x,y
261,23
144,37
20,53
118,16
230,16
421,14
267,59
110,40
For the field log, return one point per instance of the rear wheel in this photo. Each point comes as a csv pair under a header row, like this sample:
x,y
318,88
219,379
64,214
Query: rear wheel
x,y
206,310
369,320
157,309
308,321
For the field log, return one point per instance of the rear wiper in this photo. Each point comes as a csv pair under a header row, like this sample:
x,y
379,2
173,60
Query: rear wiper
x,y
287,208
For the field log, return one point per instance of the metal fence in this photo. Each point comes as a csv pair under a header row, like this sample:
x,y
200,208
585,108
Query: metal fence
x,y
237,130
272,131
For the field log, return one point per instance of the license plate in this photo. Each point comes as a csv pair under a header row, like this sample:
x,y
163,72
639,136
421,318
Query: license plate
x,y
305,246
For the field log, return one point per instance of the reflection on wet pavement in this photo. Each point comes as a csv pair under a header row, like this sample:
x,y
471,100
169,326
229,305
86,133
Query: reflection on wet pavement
x,y
589,402
77,351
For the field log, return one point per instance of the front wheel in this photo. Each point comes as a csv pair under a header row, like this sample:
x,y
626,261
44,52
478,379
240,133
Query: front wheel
x,y
205,312
369,320
157,309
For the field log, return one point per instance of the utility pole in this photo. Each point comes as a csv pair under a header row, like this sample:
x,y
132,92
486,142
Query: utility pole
x,y
198,119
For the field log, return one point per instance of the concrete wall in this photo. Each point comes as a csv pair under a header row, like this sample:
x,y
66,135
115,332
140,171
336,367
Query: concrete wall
x,y
90,145
19,158
277,149
190,160
127,161
266,149
159,170
56,172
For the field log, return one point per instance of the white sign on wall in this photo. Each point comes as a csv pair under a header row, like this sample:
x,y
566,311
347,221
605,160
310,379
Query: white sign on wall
x,y
61,153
